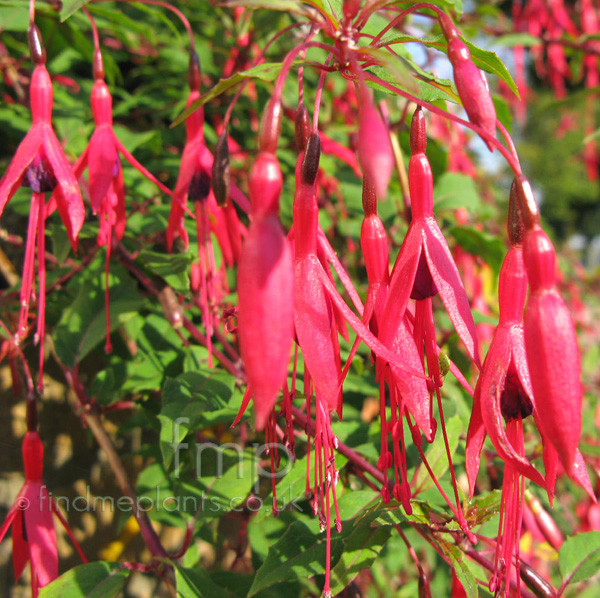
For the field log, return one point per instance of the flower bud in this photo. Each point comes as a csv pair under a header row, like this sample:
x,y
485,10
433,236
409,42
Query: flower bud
x,y
265,183
194,72
270,126
302,127
36,45
526,203
310,163
221,171
515,226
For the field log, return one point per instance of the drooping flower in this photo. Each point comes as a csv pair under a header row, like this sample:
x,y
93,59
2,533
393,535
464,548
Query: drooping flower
x,y
471,82
34,538
40,163
266,282
550,339
194,182
107,189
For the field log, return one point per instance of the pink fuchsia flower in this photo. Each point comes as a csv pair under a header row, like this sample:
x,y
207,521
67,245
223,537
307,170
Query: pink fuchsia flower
x,y
40,163
266,280
194,182
34,538
550,339
107,190
424,265
471,82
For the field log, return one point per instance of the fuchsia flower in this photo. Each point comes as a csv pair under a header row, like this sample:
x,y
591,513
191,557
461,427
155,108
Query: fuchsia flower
x,y
266,280
471,82
423,268
550,339
194,183
505,391
34,539
40,163
101,158
314,313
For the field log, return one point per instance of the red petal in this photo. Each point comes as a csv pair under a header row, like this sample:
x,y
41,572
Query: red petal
x,y
450,287
401,283
68,196
20,556
491,385
314,320
553,358
102,160
40,534
266,316
475,439
22,159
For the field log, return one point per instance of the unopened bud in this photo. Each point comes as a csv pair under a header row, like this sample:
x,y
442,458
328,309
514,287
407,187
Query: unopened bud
x,y
448,27
270,126
535,582
36,45
369,197
515,225
221,172
310,164
194,72
418,132
302,127
526,202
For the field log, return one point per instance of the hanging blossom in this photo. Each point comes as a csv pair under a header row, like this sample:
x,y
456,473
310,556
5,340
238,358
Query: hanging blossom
x,y
33,535
101,158
194,182
40,164
505,392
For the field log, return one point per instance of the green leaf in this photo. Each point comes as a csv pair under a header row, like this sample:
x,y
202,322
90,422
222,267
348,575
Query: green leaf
x,y
267,71
69,7
299,553
458,561
579,557
510,40
455,190
436,456
489,61
93,580
360,550
83,323
172,268
489,247
186,399
195,583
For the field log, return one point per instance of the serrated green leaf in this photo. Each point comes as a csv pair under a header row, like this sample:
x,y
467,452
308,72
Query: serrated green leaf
x,y
579,557
93,580
489,61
